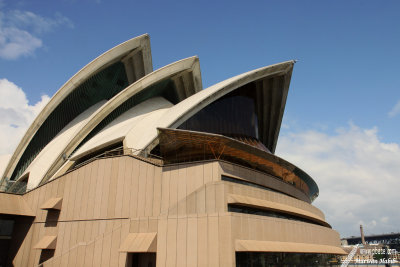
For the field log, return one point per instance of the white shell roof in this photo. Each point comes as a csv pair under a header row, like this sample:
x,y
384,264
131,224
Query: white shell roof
x,y
137,126
141,42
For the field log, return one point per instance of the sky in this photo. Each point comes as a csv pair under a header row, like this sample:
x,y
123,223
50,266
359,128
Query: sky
x,y
342,118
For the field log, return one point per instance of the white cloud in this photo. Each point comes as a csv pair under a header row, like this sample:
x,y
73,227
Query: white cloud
x,y
357,174
20,32
15,43
38,24
16,114
395,110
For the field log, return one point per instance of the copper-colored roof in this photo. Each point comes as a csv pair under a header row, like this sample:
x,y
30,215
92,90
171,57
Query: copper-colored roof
x,y
183,146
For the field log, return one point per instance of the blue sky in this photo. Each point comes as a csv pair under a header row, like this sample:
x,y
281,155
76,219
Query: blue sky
x,y
345,87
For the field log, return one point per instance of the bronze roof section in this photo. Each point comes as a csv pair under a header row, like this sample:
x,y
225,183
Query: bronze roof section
x,y
184,146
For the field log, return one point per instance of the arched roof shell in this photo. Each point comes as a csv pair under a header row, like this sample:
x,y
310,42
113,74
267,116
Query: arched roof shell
x,y
141,42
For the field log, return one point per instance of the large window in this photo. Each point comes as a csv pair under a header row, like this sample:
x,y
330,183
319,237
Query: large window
x,y
6,230
266,259
238,181
234,115
268,213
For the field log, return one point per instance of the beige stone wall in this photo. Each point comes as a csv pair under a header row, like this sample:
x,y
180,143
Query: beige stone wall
x,y
186,205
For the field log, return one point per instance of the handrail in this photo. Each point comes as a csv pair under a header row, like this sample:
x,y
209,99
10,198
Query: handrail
x,y
121,151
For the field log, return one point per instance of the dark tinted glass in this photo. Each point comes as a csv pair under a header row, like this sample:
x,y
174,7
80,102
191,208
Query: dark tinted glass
x,y
245,259
234,115
6,227
238,181
269,213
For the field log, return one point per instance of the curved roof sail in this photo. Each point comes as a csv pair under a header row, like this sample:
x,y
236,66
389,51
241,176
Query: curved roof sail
x,y
173,82
271,83
118,100
100,80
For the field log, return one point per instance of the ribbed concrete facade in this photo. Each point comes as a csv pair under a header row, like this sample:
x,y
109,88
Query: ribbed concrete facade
x,y
185,205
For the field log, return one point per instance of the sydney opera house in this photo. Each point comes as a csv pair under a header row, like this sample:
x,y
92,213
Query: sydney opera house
x,y
126,166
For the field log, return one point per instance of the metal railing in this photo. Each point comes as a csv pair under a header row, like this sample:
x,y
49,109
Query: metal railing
x,y
14,187
121,151
19,187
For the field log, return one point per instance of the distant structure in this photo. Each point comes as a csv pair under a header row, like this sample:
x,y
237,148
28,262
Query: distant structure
x,y
392,239
362,235
373,249
126,166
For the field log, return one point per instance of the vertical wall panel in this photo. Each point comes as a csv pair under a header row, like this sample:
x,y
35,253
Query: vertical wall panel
x,y
81,232
201,200
134,225
85,191
56,262
27,246
127,188
191,189
124,233
157,191
35,239
106,253
200,190
120,187
74,234
72,257
141,200
182,190
143,225
89,253
66,196
220,202
54,187
99,180
171,242
80,258
210,198
181,241
213,243
173,191
192,241
95,230
153,225
208,172
149,190
35,203
202,250
28,197
106,186
41,214
112,193
61,186
78,193
98,251
216,171
92,181
165,189
88,231
70,199
162,242
40,236
226,255
67,236
115,243
134,189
